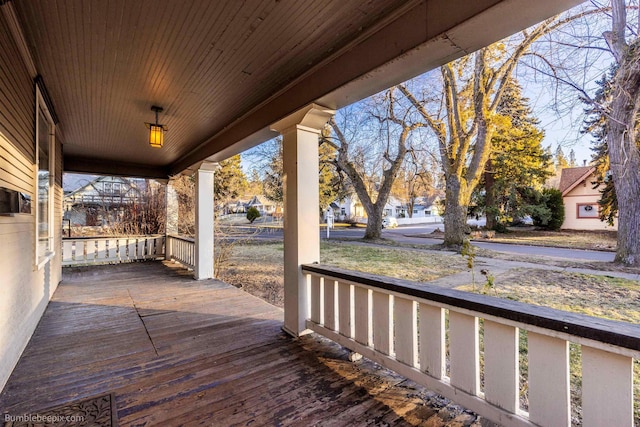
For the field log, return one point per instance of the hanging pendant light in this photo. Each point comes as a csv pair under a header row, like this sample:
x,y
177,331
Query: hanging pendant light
x,y
156,130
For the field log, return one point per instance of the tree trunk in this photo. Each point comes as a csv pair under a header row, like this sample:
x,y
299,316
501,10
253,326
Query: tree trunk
x,y
490,208
455,214
624,155
625,160
374,223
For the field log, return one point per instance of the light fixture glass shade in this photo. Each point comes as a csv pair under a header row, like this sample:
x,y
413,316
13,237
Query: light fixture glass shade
x,y
156,135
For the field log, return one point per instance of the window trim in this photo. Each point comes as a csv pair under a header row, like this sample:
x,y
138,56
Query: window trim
x,y
42,259
579,205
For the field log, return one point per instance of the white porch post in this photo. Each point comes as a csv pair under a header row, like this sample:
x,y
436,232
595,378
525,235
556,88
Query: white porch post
x,y
171,216
204,221
300,133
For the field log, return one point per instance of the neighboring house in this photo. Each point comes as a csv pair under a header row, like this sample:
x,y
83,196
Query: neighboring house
x,y
349,208
99,201
426,207
264,205
395,207
236,206
581,208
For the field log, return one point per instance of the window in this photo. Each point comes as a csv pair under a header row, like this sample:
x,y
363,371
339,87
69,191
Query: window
x,y
588,210
44,162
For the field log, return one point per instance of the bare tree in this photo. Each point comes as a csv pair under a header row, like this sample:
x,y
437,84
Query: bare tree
x,y
463,124
351,157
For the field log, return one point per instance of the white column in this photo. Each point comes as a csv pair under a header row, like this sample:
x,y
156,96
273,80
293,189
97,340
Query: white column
x,y
204,221
171,216
300,133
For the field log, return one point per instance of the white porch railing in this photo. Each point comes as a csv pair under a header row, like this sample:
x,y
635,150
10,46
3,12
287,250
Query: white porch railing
x,y
182,249
110,250
431,336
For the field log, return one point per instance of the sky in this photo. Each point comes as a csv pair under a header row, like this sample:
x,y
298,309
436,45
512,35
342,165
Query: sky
x,y
583,48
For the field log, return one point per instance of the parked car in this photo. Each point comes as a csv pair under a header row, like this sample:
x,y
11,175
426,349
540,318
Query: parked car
x,y
389,222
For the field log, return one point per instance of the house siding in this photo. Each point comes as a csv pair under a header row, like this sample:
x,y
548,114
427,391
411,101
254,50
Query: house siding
x,y
25,289
581,194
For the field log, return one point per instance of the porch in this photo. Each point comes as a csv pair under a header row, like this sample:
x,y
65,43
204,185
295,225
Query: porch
x,y
178,351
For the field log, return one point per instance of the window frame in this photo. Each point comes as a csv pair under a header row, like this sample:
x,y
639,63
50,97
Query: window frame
x,y
41,259
595,206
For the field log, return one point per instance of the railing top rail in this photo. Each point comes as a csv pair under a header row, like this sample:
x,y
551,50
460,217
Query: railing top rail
x,y
184,238
138,236
621,334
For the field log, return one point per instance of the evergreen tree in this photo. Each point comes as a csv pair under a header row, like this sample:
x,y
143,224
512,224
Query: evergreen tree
x,y
518,161
331,184
572,159
273,175
230,180
561,161
596,125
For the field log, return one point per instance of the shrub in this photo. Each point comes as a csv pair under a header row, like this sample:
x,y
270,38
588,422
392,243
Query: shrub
x,y
252,214
549,214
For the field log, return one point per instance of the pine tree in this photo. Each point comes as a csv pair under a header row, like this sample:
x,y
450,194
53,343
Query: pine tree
x,y
518,161
561,161
230,180
596,125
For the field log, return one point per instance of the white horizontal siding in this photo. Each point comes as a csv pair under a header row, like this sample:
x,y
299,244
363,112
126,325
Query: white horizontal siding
x,y
25,289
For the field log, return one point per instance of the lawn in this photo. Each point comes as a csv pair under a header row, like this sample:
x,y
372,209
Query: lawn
x,y
575,239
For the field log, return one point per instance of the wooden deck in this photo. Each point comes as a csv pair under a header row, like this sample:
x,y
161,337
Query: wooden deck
x,y
175,351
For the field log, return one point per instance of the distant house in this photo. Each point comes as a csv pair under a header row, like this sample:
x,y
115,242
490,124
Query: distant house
x,y
426,207
582,211
264,205
349,208
99,200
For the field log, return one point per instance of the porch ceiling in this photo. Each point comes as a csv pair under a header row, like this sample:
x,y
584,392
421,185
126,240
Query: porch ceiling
x,y
225,70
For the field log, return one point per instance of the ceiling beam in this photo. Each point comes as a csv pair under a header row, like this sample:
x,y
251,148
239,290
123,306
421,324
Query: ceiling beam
x,y
106,167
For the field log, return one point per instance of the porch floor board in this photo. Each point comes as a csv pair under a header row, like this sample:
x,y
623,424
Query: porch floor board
x,y
175,351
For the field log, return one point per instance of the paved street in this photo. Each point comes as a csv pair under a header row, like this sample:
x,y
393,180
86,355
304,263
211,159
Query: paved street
x,y
407,234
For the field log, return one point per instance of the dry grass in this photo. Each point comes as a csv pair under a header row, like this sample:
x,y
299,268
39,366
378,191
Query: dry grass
x,y
258,267
601,296
592,240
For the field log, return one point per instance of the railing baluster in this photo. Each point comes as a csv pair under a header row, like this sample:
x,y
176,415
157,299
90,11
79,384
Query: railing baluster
x,y
501,371
131,250
405,330
316,291
607,388
382,322
122,249
330,293
79,255
464,352
432,340
102,250
113,249
345,311
140,253
548,381
362,315
151,248
67,251
90,248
